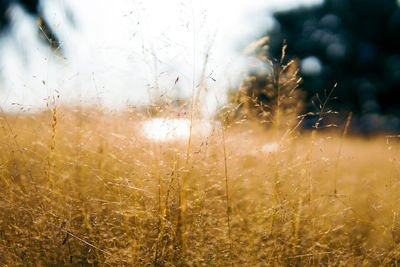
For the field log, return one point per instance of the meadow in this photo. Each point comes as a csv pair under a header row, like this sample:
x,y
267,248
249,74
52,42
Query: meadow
x,y
84,187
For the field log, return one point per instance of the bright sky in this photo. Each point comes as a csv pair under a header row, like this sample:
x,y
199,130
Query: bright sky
x,y
128,52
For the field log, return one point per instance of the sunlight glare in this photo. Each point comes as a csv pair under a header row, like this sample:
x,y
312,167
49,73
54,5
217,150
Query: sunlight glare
x,y
166,129
270,147
126,53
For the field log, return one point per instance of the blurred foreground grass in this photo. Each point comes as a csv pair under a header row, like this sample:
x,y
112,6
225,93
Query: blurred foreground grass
x,y
84,187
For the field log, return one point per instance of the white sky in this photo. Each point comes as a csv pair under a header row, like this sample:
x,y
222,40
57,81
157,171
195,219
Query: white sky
x,y
129,51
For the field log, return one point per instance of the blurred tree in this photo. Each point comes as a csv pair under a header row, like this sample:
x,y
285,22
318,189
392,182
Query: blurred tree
x,y
354,43
33,8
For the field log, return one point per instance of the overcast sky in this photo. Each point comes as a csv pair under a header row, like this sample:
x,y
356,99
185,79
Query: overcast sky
x,y
129,52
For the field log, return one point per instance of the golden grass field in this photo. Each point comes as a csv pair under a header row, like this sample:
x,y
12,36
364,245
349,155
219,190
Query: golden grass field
x,y
83,187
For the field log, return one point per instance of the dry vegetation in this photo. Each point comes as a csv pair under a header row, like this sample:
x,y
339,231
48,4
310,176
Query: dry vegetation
x,y
92,175
82,186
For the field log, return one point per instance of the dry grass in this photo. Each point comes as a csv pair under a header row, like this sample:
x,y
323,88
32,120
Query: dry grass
x,y
83,187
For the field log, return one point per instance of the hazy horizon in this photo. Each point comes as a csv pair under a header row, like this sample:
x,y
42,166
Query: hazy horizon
x,y
130,52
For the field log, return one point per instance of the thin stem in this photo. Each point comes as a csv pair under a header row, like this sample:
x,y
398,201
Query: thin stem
x,y
340,152
79,239
228,210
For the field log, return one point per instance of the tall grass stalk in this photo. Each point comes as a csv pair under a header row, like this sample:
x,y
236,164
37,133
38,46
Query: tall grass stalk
x,y
392,196
309,159
181,226
320,116
228,208
336,168
52,144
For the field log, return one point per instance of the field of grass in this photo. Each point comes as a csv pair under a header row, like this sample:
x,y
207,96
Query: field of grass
x,y
84,187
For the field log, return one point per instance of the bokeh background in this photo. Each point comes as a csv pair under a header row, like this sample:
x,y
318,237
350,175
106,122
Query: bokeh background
x,y
354,43
129,53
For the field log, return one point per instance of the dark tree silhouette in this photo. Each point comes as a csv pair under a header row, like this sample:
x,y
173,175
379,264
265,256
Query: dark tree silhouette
x,y
355,43
33,8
